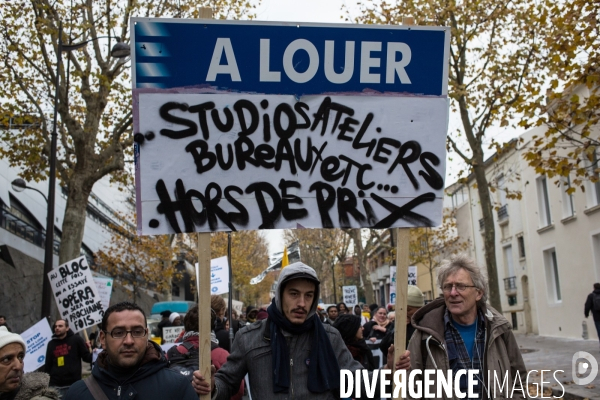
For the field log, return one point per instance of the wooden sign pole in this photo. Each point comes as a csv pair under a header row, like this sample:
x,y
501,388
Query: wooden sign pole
x,y
204,286
402,246
402,260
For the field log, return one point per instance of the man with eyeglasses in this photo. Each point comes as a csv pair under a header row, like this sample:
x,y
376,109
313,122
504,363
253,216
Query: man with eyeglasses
x,y
460,332
131,366
64,354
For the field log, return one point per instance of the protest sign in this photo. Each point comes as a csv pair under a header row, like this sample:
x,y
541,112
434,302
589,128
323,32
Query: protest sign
x,y
412,280
171,333
350,296
219,275
36,338
76,294
104,286
350,134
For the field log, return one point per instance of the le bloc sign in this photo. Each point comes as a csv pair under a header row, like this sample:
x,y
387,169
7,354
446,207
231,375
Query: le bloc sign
x,y
255,125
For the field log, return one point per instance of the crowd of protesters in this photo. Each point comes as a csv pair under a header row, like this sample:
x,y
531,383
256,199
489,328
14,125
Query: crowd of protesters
x,y
292,346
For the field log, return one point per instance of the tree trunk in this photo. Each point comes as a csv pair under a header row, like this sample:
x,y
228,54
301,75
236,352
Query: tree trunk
x,y
364,273
74,223
489,237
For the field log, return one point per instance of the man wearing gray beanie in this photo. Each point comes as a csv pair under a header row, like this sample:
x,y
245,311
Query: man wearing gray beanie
x,y
15,385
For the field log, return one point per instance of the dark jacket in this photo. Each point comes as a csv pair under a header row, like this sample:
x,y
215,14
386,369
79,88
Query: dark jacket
x,y
152,380
63,359
369,332
501,355
33,387
589,306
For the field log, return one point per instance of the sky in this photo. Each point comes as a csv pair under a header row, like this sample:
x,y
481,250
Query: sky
x,y
330,11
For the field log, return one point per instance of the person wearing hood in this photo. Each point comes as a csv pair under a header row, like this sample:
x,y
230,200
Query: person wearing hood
x,y
352,333
15,385
131,366
593,304
64,354
460,332
291,354
251,313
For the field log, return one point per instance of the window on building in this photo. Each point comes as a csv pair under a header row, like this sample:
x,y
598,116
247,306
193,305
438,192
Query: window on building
x,y
552,276
508,261
500,181
543,202
521,243
459,197
593,188
568,207
515,323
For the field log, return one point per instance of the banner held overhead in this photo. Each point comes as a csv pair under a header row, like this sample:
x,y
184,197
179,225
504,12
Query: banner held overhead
x,y
266,126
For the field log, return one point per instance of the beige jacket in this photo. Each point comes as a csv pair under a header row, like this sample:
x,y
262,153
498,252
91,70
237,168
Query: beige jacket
x,y
502,354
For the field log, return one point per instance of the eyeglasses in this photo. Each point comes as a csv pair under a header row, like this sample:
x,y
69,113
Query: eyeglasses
x,y
461,287
120,333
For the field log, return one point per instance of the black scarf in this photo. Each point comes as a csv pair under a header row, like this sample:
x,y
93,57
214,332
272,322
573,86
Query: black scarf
x,y
323,369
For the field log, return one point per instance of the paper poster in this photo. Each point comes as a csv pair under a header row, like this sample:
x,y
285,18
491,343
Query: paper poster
x,y
76,294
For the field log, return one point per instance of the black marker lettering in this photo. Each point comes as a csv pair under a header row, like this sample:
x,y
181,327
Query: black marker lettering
x,y
239,108
356,144
201,110
432,177
242,156
346,202
381,149
263,154
288,213
329,167
288,155
269,218
221,160
287,133
403,159
241,217
223,127
324,203
164,114
200,152
299,107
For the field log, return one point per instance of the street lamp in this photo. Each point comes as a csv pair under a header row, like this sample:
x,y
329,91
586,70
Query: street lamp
x,y
120,50
19,185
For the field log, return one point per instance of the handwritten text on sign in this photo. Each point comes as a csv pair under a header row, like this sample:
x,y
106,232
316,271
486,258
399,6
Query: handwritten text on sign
x,y
76,294
235,161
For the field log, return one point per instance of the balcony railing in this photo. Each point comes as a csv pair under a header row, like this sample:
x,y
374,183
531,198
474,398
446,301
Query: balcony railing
x,y
503,213
24,230
510,283
481,225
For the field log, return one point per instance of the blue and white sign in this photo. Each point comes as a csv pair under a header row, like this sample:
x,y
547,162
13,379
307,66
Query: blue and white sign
x,y
252,125
36,338
219,275
289,58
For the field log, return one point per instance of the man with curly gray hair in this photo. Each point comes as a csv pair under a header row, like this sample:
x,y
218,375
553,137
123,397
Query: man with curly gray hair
x,y
460,332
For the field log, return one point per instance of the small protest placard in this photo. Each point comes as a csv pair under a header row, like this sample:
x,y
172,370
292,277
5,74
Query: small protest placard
x,y
412,280
36,338
76,294
171,333
350,296
104,286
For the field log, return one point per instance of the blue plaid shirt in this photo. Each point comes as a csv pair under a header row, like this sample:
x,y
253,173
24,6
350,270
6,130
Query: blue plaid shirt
x,y
458,356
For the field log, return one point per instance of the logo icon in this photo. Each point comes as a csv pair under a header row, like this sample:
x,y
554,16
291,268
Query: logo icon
x,y
583,363
214,289
41,358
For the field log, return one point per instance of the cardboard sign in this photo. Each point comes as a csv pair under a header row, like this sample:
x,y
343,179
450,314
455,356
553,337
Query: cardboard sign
x,y
171,333
36,338
104,286
237,136
350,296
76,294
412,280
